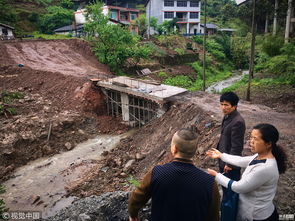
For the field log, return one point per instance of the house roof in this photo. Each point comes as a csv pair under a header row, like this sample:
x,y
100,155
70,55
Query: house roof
x,y
227,29
69,28
211,26
240,1
6,26
122,9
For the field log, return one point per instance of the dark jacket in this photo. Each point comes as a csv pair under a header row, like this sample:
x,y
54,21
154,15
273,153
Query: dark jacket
x,y
179,191
232,136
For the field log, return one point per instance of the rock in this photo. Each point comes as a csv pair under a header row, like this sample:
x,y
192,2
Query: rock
x,y
106,207
83,217
128,165
68,145
105,153
104,169
81,131
139,156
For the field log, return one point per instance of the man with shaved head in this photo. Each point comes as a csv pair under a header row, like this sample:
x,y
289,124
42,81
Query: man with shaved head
x,y
179,190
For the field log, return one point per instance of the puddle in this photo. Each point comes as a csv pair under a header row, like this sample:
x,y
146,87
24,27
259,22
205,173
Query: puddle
x,y
40,185
217,87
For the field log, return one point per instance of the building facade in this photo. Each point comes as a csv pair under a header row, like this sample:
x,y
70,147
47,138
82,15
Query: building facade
x,y
6,32
188,14
117,15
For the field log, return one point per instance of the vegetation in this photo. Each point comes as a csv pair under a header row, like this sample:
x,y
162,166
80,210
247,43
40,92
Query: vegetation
x,y
132,181
6,99
2,203
112,44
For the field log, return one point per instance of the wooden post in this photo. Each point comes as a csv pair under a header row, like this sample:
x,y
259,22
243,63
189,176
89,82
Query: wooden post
x,y
288,21
275,19
251,65
204,45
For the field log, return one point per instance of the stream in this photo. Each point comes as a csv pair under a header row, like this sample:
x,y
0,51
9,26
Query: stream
x,y
217,87
41,184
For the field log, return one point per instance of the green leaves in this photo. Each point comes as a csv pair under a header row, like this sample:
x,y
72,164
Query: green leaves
x,y
112,43
55,17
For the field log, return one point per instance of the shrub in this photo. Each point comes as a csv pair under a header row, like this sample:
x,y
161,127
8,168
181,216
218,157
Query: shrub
x,y
162,74
272,45
179,81
179,51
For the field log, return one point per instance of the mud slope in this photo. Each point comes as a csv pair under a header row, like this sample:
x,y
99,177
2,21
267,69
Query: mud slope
x,y
150,145
69,57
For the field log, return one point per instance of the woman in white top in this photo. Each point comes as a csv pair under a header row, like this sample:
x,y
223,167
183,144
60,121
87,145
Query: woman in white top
x,y
258,184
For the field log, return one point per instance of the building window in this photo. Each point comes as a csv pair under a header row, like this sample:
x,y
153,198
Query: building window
x,y
4,31
181,3
133,17
168,14
194,15
114,15
194,4
169,3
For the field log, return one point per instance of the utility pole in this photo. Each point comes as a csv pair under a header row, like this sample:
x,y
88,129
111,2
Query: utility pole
x,y
204,45
275,19
149,22
251,66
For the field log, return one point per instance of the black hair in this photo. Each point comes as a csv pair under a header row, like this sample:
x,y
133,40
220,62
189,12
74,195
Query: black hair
x,y
270,134
230,97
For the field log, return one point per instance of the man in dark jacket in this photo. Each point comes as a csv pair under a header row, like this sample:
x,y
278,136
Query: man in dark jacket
x,y
179,190
232,134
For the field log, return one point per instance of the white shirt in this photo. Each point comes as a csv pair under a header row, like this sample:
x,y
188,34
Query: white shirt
x,y
257,186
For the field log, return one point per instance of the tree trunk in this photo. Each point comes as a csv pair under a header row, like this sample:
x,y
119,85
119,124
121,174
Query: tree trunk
x,y
266,24
288,20
275,19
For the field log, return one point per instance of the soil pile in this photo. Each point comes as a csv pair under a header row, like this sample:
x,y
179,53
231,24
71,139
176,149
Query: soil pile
x,y
57,110
150,145
69,57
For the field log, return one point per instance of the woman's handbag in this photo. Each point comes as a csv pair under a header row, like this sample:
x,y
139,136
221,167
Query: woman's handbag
x,y
229,207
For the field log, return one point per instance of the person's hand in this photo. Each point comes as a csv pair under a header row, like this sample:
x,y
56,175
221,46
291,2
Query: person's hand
x,y
134,219
226,169
214,153
212,172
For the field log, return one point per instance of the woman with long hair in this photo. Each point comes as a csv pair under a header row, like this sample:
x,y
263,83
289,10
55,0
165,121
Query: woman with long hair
x,y
258,185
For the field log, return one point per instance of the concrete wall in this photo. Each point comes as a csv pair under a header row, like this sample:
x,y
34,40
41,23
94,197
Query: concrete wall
x,y
156,8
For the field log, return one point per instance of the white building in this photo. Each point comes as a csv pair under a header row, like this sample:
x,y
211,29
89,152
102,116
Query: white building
x,y
6,32
188,13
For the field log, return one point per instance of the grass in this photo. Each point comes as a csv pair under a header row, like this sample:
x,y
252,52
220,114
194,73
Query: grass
x,y
37,35
6,99
132,181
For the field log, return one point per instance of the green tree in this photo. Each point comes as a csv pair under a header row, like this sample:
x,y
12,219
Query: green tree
x,y
55,17
142,24
112,44
7,15
67,4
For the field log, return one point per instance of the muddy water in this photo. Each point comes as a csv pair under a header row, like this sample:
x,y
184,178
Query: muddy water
x,y
44,180
217,87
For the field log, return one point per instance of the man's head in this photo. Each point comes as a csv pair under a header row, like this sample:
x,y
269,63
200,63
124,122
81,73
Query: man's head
x,y
184,143
228,102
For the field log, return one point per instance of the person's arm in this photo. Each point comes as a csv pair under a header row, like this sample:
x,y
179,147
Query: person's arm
x,y
213,212
258,176
232,159
236,160
140,196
